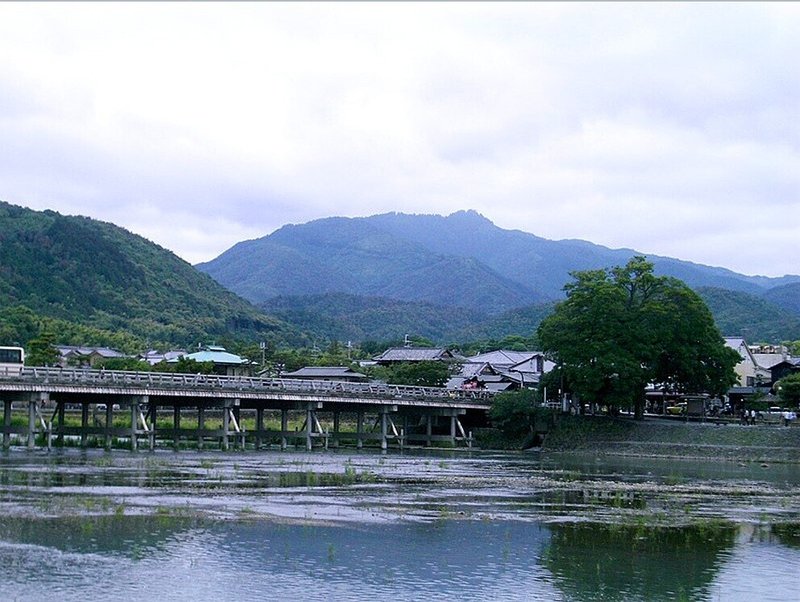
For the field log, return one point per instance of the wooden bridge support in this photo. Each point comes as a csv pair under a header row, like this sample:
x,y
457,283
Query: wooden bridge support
x,y
176,425
284,428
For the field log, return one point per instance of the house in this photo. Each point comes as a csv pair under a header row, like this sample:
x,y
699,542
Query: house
x,y
397,355
749,372
225,364
501,370
784,368
154,357
72,355
327,373
481,376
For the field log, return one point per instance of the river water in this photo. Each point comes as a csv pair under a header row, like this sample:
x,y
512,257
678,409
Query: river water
x,y
447,525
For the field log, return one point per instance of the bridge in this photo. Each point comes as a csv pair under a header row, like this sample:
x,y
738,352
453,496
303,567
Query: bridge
x,y
135,408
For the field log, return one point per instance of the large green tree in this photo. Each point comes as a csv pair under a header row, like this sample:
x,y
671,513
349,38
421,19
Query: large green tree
x,y
789,389
621,329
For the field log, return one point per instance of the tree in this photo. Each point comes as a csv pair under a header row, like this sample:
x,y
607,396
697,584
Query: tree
x,y
422,374
42,350
789,389
621,329
515,414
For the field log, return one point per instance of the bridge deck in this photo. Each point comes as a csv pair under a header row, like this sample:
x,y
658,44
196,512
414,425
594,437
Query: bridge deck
x,y
142,393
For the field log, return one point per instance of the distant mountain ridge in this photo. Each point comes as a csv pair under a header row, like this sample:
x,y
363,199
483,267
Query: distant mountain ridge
x,y
461,260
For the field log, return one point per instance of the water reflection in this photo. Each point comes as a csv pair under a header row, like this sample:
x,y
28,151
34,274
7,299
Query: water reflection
x,y
351,526
618,562
116,557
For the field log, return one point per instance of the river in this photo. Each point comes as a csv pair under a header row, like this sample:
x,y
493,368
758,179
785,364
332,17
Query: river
x,y
347,525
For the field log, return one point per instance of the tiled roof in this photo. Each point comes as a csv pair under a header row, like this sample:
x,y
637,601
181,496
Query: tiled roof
x,y
217,357
767,360
413,354
325,372
503,357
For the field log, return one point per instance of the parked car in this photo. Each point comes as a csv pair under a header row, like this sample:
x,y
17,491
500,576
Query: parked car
x,y
678,408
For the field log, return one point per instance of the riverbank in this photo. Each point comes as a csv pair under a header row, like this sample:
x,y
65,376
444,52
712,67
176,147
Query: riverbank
x,y
655,437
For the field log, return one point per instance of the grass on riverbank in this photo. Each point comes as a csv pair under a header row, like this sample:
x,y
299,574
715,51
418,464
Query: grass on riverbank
x,y
652,437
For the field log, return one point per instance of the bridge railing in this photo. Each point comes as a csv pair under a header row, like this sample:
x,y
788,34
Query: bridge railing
x,y
165,380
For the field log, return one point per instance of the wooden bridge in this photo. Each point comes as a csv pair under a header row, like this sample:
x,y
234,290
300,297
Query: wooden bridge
x,y
134,407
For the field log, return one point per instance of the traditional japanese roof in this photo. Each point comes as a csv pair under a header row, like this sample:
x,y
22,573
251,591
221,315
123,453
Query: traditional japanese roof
x,y
503,357
106,352
217,355
153,356
327,372
768,360
414,354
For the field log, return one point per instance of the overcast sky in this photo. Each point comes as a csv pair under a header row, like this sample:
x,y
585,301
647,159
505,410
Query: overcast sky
x,y
673,129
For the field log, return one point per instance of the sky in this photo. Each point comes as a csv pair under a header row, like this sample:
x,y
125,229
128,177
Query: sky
x,y
672,129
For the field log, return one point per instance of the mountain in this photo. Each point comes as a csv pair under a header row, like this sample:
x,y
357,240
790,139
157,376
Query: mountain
x,y
360,257
462,260
786,296
755,318
83,271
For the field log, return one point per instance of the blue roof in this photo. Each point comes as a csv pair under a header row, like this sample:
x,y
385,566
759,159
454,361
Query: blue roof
x,y
217,357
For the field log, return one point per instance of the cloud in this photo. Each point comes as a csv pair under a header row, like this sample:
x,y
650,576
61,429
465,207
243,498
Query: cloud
x,y
669,128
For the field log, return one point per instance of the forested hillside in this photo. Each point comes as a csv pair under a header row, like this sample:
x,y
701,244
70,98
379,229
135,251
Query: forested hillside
x,y
758,320
86,272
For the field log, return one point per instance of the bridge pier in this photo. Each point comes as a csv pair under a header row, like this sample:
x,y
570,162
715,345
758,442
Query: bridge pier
x,y
428,429
384,442
134,420
259,426
201,425
360,429
7,405
109,422
84,422
59,413
284,428
176,425
336,428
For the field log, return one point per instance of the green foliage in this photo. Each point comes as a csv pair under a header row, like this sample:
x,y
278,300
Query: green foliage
x,y
623,328
756,318
421,374
85,273
515,413
789,389
42,350
124,363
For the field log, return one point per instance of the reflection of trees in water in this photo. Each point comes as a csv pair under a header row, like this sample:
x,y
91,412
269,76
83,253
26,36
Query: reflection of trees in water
x,y
114,534
593,561
788,534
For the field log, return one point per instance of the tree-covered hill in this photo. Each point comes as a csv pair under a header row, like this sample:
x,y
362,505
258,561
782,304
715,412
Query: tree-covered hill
x,y
786,296
755,318
342,317
86,272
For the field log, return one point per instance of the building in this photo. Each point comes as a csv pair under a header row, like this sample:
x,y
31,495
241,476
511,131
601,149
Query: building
x,y
225,364
502,370
78,356
327,373
154,357
749,372
398,355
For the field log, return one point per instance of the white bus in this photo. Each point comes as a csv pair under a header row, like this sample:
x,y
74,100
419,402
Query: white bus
x,y
11,361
